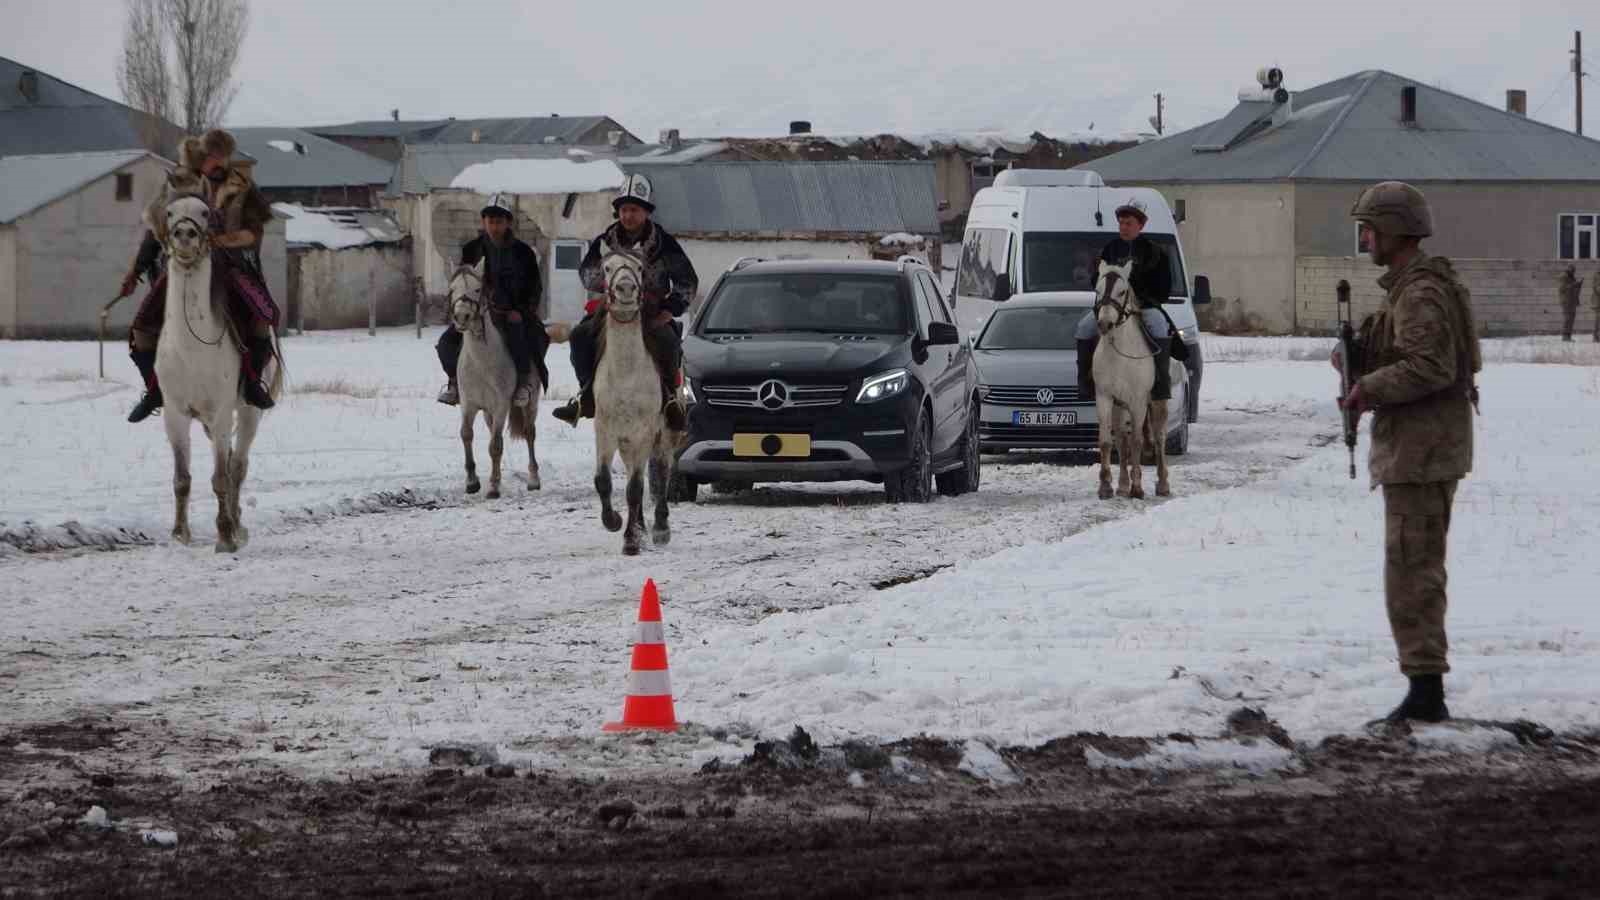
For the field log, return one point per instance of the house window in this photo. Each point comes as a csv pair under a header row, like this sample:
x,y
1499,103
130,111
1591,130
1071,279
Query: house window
x,y
1578,236
124,187
1180,210
568,256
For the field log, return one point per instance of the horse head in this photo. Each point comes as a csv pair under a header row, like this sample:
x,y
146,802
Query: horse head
x,y
188,236
624,285
1114,302
466,299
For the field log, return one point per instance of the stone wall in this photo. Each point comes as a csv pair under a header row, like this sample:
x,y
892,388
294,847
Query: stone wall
x,y
1509,296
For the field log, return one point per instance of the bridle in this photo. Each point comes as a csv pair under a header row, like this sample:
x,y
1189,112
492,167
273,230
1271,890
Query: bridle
x,y
628,273
204,230
1107,285
474,299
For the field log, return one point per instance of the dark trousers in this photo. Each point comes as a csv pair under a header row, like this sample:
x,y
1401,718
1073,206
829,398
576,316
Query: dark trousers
x,y
523,341
1569,316
663,344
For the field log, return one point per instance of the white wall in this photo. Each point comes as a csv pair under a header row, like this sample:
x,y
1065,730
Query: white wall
x,y
8,281
334,286
1241,236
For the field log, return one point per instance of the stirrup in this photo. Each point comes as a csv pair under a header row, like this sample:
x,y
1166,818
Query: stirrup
x,y
570,413
449,395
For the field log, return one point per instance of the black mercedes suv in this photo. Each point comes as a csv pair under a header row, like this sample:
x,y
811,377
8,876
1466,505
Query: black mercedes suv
x,y
830,370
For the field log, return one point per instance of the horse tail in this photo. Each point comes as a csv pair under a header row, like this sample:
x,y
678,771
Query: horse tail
x,y
521,422
558,332
279,372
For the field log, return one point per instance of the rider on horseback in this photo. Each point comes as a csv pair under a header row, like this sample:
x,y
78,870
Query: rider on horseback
x,y
511,280
669,285
1151,280
239,216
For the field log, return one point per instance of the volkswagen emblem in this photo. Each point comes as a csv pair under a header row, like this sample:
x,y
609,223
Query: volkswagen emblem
x,y
772,395
1045,396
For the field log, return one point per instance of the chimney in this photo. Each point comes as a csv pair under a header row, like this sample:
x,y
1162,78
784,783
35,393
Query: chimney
x,y
476,135
28,85
799,126
394,114
1517,102
670,139
1408,105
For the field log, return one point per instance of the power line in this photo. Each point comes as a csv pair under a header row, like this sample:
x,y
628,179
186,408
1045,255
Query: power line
x,y
1561,82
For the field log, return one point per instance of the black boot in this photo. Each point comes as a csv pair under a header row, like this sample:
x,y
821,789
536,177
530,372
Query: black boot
x,y
1163,386
1086,368
1424,702
579,407
260,353
672,410
145,360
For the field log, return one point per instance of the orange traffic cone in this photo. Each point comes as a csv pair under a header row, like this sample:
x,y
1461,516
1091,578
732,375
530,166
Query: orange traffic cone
x,y
648,706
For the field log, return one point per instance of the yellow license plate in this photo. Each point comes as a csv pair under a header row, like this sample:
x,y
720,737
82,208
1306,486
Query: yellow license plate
x,y
769,445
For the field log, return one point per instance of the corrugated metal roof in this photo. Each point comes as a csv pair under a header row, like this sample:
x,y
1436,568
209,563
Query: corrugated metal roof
x,y
1350,130
291,157
379,128
523,130
426,167
781,198
29,182
67,119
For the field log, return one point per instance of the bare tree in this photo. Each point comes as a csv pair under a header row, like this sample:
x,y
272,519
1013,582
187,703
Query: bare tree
x,y
144,78
206,36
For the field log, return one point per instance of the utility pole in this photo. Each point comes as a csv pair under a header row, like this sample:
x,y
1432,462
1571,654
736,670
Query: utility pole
x,y
1159,100
1578,73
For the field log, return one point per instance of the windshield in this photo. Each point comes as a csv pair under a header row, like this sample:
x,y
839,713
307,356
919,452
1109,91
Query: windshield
x,y
1068,260
807,302
1050,328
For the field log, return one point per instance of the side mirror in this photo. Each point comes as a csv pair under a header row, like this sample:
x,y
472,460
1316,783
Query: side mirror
x,y
1002,287
1202,290
943,334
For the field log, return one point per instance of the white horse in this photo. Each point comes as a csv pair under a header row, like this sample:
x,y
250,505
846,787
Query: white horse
x,y
627,408
197,366
1124,373
487,377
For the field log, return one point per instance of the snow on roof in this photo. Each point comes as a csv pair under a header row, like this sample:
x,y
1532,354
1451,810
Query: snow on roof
x,y
338,228
285,146
540,176
985,143
901,239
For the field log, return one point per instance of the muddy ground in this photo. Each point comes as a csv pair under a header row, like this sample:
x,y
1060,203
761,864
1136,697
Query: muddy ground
x,y
1371,816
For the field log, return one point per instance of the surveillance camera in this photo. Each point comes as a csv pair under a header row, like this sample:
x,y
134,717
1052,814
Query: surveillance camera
x,y
1269,77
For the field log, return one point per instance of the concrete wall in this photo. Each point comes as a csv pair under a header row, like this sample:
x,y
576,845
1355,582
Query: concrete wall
x,y
1241,236
1509,296
332,288
8,281
1472,221
70,255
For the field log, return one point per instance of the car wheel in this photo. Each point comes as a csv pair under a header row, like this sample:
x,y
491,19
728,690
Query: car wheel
x,y
682,489
965,479
1178,441
914,483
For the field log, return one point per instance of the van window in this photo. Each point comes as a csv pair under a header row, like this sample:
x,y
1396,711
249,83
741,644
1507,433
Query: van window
x,y
1069,260
983,257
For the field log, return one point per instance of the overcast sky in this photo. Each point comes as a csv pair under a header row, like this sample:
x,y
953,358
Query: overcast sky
x,y
728,68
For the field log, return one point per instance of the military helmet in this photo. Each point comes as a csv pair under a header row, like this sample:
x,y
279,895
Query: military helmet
x,y
635,190
1394,207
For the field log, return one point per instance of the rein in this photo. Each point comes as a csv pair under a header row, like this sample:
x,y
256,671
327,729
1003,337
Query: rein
x,y
479,330
205,231
1123,315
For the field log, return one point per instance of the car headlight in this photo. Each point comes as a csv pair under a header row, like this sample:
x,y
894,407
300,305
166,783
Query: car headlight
x,y
983,392
1190,334
879,387
688,391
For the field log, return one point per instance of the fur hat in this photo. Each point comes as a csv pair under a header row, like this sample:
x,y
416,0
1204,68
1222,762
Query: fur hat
x,y
219,143
191,153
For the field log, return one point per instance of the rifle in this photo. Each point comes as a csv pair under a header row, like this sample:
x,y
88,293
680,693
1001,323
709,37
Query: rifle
x,y
1347,376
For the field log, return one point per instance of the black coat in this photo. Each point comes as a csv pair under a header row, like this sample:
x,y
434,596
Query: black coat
x,y
512,275
1151,278
669,277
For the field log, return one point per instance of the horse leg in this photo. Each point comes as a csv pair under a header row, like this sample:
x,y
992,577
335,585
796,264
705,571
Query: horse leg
x,y
660,476
1106,411
497,428
1135,455
1156,434
602,482
533,433
633,534
468,414
178,436
221,480
249,421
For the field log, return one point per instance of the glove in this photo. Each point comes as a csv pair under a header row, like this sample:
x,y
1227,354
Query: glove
x,y
129,281
1354,402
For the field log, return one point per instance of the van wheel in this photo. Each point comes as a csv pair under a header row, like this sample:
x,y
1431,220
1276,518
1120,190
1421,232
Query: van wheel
x,y
965,479
914,483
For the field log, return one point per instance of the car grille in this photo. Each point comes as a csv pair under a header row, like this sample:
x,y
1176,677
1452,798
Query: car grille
x,y
1028,395
798,396
1079,435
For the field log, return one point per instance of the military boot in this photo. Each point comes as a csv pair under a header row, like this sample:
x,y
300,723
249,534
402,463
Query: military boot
x,y
1424,702
145,360
1162,390
258,354
1086,368
672,409
580,406
449,396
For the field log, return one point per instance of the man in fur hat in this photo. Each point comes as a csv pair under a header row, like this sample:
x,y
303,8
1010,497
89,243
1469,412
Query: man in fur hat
x,y
513,289
670,283
239,216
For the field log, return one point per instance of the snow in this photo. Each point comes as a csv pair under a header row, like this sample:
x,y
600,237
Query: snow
x,y
159,837
540,176
379,612
1256,758
96,817
901,239
980,760
312,226
285,146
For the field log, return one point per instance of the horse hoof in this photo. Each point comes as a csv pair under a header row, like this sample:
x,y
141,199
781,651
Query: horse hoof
x,y
181,535
473,486
1105,492
611,520
1163,491
1136,493
533,483
661,536
630,549
494,494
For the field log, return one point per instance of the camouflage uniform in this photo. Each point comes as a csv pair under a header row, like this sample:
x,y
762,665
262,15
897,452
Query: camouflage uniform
x,y
1568,292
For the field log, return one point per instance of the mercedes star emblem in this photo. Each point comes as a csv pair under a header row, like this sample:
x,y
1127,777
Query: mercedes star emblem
x,y
773,395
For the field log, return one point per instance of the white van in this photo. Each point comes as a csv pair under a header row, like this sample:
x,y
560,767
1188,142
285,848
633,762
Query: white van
x,y
1040,232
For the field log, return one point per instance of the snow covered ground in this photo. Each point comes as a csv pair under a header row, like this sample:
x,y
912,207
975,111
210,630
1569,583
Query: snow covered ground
x,y
378,612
